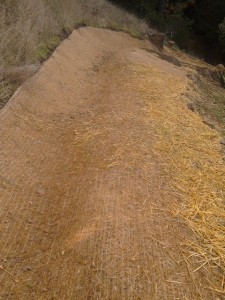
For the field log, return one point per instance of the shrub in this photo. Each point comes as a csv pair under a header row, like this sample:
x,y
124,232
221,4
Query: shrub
x,y
222,78
222,35
181,28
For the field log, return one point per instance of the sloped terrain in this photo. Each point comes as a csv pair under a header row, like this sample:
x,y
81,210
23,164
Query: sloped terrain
x,y
87,180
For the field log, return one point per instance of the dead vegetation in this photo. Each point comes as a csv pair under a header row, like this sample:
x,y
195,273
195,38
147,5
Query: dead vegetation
x,y
30,30
191,154
205,94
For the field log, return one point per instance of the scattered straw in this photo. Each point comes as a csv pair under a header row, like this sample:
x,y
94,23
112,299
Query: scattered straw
x,y
190,152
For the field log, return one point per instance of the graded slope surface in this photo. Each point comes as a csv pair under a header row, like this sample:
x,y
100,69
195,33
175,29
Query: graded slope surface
x,y
85,208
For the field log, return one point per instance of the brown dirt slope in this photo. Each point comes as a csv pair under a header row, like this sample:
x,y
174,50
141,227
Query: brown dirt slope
x,y
85,200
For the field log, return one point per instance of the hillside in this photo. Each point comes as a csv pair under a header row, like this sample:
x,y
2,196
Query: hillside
x,y
112,175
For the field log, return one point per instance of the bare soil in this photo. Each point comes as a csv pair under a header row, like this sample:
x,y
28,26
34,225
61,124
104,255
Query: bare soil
x,y
85,210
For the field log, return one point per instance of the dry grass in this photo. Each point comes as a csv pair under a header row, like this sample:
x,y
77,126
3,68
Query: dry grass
x,y
23,26
7,89
191,154
29,28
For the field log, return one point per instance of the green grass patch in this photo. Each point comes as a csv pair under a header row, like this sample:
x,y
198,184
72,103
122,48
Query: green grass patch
x,y
222,78
45,49
220,115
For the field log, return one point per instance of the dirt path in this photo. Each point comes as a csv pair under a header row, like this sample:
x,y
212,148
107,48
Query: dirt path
x,y
85,210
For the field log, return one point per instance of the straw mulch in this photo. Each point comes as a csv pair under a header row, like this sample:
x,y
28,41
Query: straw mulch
x,y
190,152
